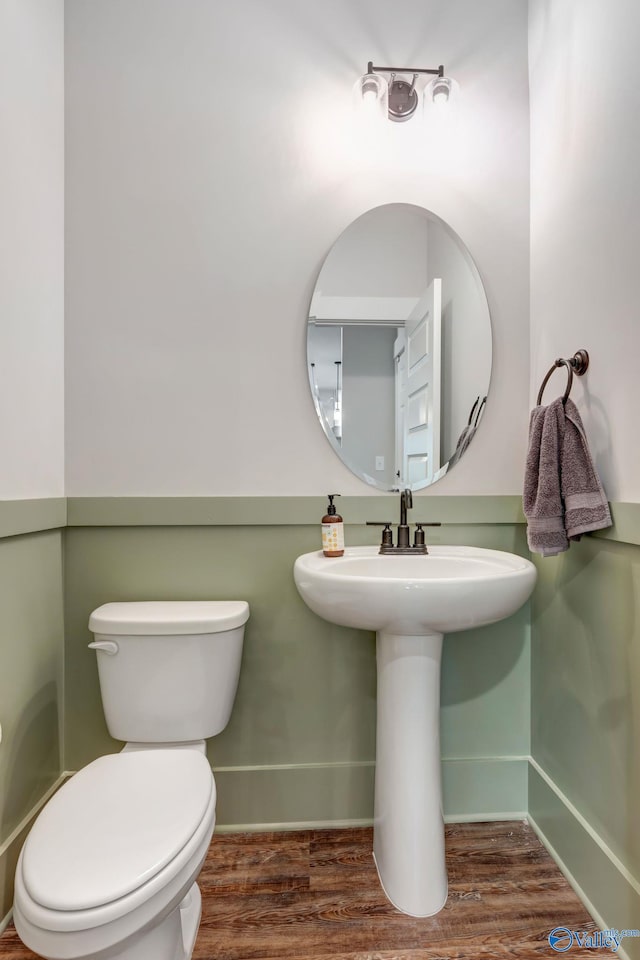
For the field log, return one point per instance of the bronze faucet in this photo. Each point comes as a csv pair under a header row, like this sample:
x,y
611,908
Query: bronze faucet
x,y
404,547
406,503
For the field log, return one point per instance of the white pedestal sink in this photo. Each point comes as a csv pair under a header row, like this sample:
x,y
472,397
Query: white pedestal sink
x,y
411,601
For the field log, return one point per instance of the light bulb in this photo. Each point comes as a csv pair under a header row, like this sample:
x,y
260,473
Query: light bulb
x,y
440,90
369,99
440,100
371,96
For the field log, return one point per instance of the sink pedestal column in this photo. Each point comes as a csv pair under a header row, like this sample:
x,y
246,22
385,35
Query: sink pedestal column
x,y
408,843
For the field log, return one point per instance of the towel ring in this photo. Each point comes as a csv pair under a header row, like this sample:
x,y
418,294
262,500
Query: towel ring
x,y
577,364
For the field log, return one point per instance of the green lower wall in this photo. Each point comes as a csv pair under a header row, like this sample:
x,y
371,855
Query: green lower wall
x,y
306,794
585,719
303,725
31,650
301,742
610,892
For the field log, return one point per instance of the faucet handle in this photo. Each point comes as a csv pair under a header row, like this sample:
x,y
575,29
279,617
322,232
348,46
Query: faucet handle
x,y
418,539
387,534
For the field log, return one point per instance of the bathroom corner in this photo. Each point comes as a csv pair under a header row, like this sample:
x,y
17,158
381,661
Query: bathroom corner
x,y
161,258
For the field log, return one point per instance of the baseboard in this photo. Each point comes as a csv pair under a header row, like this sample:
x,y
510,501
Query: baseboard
x,y
606,887
10,851
6,920
292,825
323,795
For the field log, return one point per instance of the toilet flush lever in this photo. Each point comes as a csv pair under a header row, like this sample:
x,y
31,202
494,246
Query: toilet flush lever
x,y
109,647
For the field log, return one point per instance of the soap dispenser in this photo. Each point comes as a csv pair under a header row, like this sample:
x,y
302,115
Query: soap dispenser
x,y
332,531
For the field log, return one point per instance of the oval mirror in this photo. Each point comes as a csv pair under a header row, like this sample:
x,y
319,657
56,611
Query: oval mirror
x,y
399,347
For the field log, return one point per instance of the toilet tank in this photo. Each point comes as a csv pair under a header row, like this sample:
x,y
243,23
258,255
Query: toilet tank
x,y
168,669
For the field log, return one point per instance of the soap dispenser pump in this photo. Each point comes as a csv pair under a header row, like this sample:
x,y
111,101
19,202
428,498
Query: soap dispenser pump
x,y
332,531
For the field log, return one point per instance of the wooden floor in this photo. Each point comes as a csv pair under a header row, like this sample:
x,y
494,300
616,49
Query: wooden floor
x,y
315,893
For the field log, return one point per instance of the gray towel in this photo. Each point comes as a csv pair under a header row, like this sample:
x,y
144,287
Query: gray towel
x,y
563,496
542,496
585,503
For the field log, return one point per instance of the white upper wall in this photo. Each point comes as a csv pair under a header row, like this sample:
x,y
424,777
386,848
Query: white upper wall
x,y
212,162
585,219
32,248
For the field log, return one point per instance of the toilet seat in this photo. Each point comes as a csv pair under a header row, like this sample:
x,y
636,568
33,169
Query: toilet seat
x,y
132,813
168,865
88,933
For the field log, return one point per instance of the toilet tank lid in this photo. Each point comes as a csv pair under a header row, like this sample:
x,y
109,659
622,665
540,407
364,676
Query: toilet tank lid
x,y
168,617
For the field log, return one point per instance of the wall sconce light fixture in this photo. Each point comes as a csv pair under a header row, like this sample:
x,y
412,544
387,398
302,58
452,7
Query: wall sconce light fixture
x,y
397,98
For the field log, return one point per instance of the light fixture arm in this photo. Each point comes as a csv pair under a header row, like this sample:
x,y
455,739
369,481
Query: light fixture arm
x,y
373,69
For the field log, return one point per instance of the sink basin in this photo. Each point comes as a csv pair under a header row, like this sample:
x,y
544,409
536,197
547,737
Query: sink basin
x,y
449,589
411,601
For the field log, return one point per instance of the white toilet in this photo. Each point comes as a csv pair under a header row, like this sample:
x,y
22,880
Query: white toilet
x,y
109,867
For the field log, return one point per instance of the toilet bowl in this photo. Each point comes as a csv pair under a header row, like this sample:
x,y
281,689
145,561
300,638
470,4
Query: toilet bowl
x,y
109,868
